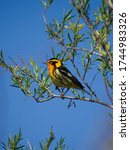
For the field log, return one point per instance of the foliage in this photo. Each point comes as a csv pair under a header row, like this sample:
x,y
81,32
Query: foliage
x,y
15,143
85,39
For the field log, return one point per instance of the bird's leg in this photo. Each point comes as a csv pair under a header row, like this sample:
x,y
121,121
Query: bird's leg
x,y
62,92
57,88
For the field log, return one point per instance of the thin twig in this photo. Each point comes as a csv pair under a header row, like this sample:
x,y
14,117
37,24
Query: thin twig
x,y
77,70
108,94
85,71
84,49
44,18
109,3
30,146
93,79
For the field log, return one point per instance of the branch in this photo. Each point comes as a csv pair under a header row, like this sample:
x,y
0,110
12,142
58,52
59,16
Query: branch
x,y
59,41
82,78
47,91
109,3
90,25
82,49
74,98
107,90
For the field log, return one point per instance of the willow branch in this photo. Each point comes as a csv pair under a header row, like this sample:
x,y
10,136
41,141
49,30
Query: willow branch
x,y
90,26
74,98
50,95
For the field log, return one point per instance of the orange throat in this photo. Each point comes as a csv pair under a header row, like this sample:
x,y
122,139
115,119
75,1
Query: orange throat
x,y
50,69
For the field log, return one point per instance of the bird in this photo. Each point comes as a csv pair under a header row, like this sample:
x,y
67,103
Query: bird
x,y
61,76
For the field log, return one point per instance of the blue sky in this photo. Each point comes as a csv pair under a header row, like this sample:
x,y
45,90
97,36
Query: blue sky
x,y
22,34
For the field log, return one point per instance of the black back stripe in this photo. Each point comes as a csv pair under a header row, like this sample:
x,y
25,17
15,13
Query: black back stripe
x,y
67,74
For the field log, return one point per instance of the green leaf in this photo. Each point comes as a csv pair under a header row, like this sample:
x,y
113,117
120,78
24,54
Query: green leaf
x,y
32,62
109,83
1,55
57,24
102,52
70,17
67,16
69,37
46,145
85,2
12,68
50,2
108,46
53,52
23,91
60,145
16,86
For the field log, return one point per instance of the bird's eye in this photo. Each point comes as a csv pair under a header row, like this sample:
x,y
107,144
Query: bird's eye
x,y
54,63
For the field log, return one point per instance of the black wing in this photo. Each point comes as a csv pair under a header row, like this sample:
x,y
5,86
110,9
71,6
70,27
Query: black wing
x,y
66,72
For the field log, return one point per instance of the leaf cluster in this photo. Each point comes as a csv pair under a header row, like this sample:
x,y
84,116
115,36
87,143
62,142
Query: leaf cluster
x,y
15,143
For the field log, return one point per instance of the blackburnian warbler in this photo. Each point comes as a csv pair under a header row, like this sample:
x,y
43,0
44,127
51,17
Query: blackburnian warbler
x,y
61,76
